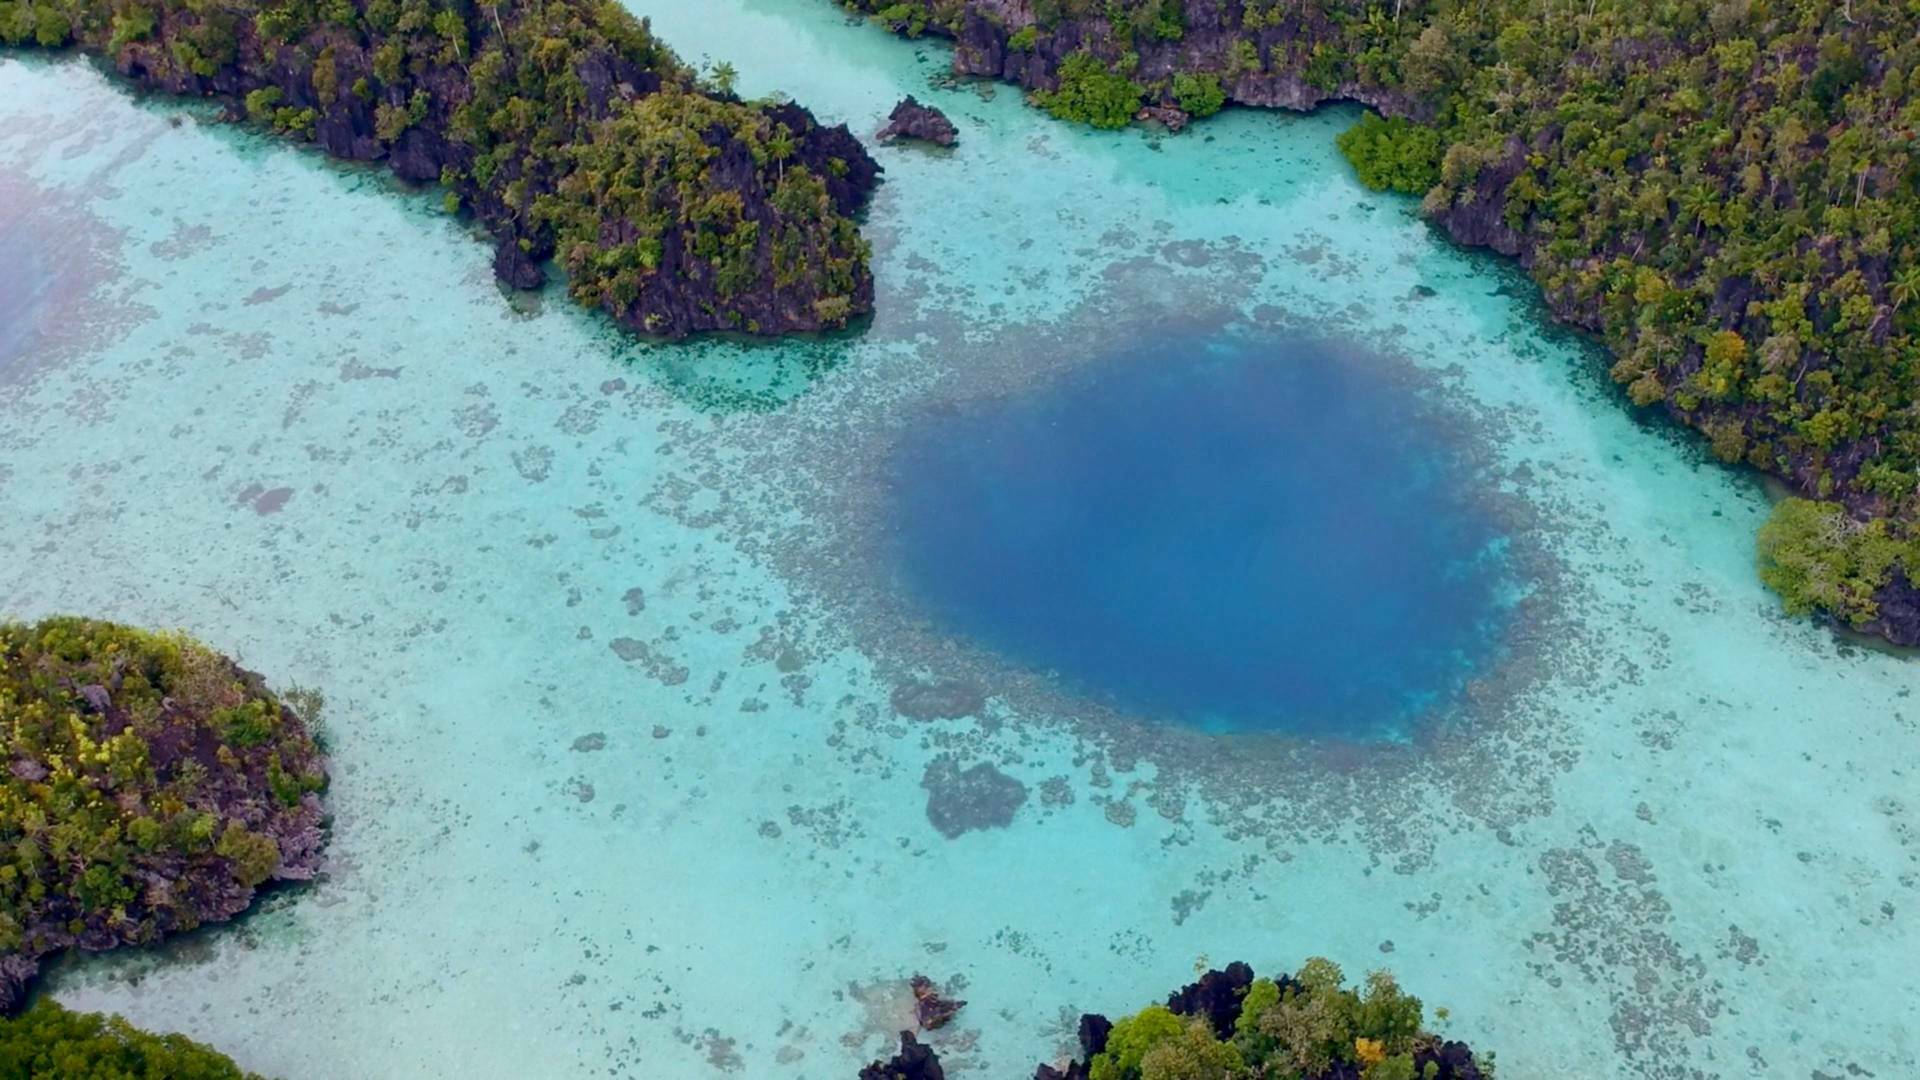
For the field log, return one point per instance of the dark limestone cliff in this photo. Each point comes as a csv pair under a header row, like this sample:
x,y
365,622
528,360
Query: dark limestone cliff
x,y
1727,195
563,125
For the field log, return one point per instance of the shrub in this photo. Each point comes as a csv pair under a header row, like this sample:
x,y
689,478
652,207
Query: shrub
x,y
1200,95
1818,558
1395,154
47,1042
1090,94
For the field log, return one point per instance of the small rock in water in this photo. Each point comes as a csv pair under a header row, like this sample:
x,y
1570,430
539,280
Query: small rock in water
x,y
1174,120
931,1010
912,120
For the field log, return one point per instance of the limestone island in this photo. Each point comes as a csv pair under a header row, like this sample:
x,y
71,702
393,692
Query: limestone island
x,y
564,126
151,786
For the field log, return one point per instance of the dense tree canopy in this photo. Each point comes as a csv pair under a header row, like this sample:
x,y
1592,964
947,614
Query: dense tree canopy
x,y
47,1042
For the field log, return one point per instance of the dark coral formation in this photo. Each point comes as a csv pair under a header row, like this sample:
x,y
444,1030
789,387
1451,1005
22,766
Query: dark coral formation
x,y
1726,194
915,1061
151,786
912,120
961,800
563,125
940,699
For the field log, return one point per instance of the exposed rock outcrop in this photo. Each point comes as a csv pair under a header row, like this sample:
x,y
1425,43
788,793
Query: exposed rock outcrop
x,y
912,120
915,1061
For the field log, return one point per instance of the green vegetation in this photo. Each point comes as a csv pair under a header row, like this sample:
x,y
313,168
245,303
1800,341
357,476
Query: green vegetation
x,y
1726,191
151,786
47,1042
907,18
1820,558
1201,95
1393,155
564,124
1091,94
1304,1027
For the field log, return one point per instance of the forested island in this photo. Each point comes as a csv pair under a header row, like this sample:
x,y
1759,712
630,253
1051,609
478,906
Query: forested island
x,y
151,787
1727,193
1230,1025
564,126
48,1042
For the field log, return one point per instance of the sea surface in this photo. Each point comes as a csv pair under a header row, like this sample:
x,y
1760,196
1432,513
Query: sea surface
x,y
1195,559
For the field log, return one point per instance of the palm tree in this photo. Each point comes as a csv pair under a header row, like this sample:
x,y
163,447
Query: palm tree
x,y
1905,288
780,146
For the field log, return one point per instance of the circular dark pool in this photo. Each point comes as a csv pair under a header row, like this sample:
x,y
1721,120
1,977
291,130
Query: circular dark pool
x,y
1232,535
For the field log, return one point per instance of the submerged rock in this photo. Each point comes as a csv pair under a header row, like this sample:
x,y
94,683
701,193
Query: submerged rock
x,y
912,120
937,700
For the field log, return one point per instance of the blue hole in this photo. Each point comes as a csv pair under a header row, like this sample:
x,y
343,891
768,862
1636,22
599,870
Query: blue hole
x,y
1235,536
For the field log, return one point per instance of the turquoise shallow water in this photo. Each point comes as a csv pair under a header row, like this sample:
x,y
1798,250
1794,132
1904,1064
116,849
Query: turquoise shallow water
x,y
1666,832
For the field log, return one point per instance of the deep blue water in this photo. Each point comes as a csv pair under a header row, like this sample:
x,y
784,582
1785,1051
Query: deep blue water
x,y
1236,536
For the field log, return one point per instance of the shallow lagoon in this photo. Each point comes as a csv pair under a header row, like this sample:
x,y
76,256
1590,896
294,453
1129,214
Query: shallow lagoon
x,y
1664,831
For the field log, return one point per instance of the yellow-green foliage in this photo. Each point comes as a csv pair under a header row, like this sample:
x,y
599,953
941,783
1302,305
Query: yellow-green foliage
x,y
1820,558
49,1043
1307,1026
132,756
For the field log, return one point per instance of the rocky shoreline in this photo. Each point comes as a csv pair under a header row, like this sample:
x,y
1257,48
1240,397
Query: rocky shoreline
x,y
564,127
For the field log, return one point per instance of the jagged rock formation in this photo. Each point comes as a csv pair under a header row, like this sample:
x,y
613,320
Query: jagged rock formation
x,y
915,1061
912,120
